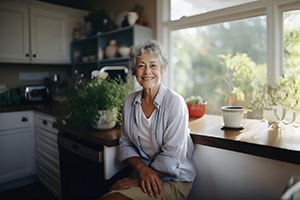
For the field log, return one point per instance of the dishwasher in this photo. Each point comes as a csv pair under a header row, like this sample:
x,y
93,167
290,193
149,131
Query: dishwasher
x,y
82,162
81,168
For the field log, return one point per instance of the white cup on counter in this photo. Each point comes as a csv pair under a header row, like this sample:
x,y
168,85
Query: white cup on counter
x,y
233,116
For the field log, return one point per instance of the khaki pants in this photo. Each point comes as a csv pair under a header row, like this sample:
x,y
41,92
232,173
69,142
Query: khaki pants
x,y
171,190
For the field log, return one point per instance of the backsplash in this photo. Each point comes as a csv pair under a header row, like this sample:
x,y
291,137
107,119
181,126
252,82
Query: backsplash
x,y
15,75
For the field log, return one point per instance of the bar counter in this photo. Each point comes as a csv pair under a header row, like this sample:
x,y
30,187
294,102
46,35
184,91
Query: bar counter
x,y
256,138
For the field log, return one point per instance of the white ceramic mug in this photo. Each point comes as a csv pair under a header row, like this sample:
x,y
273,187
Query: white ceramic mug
x,y
233,116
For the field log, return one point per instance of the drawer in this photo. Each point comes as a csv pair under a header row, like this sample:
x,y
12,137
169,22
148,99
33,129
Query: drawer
x,y
45,122
15,120
46,137
45,162
51,182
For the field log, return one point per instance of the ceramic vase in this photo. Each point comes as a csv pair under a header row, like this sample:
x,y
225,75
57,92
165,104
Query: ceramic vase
x,y
111,49
132,17
124,51
107,119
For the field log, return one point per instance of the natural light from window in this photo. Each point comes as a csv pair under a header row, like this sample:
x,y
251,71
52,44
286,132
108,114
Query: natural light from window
x,y
291,26
181,8
201,56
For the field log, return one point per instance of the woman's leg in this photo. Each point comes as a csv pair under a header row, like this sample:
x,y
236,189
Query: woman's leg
x,y
115,196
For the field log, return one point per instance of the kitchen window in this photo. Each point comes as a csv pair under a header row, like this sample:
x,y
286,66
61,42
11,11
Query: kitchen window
x,y
196,41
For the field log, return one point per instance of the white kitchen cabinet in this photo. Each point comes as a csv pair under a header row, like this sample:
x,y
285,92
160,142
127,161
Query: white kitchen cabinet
x,y
17,146
36,32
47,155
14,34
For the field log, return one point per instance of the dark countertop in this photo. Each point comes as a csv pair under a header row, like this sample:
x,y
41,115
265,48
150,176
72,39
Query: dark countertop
x,y
108,137
95,137
257,138
50,108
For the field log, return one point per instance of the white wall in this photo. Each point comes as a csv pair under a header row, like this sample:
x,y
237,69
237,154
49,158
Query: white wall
x,y
223,174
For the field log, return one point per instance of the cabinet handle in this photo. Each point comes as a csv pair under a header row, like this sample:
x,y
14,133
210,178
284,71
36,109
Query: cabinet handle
x,y
34,55
24,119
27,55
45,122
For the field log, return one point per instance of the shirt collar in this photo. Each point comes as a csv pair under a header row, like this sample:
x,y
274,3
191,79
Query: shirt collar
x,y
158,99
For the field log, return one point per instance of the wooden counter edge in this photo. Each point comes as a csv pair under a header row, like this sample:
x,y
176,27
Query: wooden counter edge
x,y
270,152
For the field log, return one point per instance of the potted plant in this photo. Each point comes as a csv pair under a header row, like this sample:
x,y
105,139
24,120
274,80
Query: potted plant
x,y
91,104
281,98
196,106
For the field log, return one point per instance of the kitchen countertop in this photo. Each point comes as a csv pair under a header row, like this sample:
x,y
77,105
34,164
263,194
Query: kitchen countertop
x,y
256,138
50,108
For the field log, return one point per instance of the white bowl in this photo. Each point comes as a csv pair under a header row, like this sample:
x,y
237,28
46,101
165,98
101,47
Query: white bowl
x,y
124,51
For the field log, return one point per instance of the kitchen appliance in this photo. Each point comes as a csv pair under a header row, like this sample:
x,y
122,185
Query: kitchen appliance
x,y
81,168
35,93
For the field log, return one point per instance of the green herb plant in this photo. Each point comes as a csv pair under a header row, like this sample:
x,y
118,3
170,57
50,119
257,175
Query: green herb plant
x,y
81,108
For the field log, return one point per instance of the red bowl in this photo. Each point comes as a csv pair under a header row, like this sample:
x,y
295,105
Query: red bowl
x,y
197,110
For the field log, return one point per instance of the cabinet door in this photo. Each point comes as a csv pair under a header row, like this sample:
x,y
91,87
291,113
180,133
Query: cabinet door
x,y
49,41
17,155
14,34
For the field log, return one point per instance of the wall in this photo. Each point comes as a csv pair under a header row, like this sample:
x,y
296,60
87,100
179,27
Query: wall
x,y
223,174
9,73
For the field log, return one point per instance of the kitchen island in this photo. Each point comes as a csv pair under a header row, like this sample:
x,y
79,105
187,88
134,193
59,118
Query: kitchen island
x,y
253,163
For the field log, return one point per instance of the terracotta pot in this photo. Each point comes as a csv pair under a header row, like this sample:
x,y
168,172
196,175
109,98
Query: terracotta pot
x,y
197,110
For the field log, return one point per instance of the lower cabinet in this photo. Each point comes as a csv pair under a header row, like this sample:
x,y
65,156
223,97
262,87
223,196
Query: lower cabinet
x,y
47,155
17,152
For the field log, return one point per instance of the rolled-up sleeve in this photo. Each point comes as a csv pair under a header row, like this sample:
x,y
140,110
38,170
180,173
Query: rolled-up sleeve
x,y
176,133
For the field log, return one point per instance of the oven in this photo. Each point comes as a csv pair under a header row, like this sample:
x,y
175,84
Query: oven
x,y
81,168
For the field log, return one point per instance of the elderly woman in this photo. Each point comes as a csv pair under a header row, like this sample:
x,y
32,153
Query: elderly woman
x,y
155,137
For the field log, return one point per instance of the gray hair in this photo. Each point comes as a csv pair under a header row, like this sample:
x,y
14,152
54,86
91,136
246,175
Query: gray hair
x,y
153,47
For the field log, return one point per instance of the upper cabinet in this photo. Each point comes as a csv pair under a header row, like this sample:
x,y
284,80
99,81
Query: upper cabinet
x,y
37,33
14,34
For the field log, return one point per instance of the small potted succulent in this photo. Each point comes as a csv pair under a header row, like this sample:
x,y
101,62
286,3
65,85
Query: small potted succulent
x,y
196,106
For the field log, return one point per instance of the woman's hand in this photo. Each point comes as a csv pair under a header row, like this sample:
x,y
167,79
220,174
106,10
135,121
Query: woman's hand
x,y
125,183
150,181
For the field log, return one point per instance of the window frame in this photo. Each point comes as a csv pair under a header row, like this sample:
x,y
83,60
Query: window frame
x,y
273,10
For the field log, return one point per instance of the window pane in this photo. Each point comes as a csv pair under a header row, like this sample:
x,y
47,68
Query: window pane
x,y
199,69
180,8
292,43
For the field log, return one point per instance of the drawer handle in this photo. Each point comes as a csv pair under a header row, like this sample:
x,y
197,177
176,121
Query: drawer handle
x,y
45,122
24,119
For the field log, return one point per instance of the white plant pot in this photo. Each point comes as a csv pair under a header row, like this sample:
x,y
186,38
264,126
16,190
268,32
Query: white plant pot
x,y
107,119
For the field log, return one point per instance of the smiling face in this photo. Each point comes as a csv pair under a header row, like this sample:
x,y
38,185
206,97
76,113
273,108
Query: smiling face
x,y
148,71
